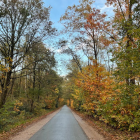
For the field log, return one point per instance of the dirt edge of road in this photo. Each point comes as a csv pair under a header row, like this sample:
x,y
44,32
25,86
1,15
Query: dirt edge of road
x,y
94,132
91,132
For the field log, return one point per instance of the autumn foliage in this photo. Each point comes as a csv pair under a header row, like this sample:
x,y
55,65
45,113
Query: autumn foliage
x,y
109,95
100,96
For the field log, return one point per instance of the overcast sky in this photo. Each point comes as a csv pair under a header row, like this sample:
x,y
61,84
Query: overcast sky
x,y
58,9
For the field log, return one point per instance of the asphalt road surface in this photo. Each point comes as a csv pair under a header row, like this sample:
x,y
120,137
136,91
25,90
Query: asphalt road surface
x,y
63,126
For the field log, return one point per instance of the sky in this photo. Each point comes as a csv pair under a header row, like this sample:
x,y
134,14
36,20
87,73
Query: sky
x,y
59,7
57,10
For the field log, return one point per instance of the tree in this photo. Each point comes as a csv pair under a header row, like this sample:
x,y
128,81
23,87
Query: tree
x,y
39,59
113,99
89,36
69,82
36,81
126,27
74,20
22,23
53,89
124,33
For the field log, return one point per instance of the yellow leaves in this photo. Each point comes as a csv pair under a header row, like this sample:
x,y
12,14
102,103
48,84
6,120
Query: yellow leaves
x,y
49,102
16,109
118,90
72,102
61,99
125,39
78,94
68,102
96,84
10,59
56,90
77,91
103,98
88,106
5,67
75,96
123,111
106,42
17,105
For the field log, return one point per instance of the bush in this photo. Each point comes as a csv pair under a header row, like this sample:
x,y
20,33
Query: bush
x,y
9,113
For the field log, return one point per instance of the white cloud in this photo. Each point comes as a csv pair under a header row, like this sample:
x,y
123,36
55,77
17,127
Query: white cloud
x,y
61,49
106,8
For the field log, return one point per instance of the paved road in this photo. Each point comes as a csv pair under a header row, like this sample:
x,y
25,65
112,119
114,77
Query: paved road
x,y
63,126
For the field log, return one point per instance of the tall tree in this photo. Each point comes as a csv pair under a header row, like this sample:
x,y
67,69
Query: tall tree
x,y
87,36
126,26
74,20
39,59
22,23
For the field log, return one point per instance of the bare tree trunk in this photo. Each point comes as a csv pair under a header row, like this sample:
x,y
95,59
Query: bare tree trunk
x,y
34,80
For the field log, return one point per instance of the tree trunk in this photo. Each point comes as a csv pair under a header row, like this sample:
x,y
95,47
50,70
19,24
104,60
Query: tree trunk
x,y
32,105
34,80
4,87
129,44
57,100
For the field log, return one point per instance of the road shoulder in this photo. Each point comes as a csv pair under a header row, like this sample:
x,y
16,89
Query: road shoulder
x,y
91,132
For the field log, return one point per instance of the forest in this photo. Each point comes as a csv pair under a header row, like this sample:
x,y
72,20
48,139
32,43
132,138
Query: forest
x,y
104,70
107,85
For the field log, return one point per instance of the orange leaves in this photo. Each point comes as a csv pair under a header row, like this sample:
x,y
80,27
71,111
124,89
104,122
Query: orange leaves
x,y
17,105
96,20
105,41
111,2
4,68
96,85
98,27
49,102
